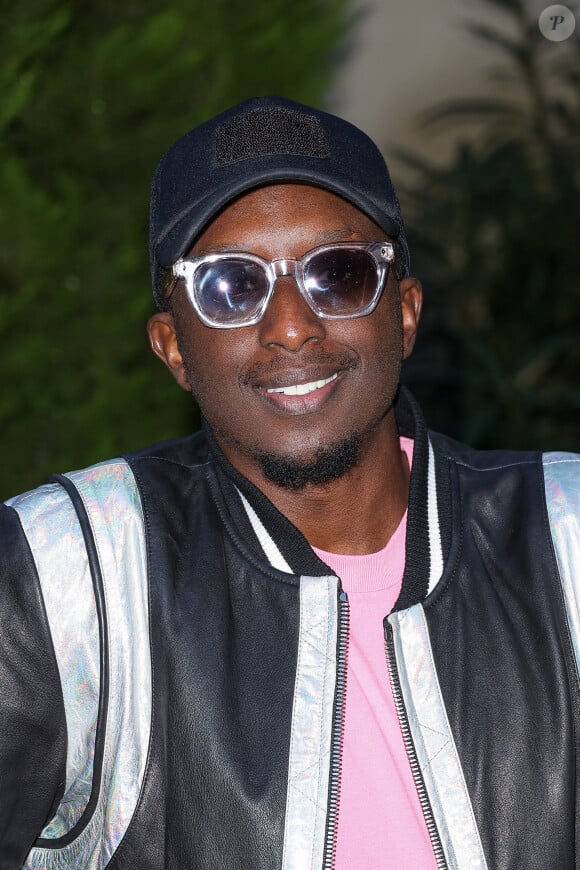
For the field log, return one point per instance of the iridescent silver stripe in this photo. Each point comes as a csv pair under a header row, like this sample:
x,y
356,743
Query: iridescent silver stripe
x,y
435,548
310,741
434,744
311,734
268,544
562,482
112,501
51,525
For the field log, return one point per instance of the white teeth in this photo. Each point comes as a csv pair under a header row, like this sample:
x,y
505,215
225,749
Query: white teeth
x,y
303,389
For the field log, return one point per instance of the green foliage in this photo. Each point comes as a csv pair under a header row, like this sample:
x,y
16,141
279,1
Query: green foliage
x,y
496,232
93,93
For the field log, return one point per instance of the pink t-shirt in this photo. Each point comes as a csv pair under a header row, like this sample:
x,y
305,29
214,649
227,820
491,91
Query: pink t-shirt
x,y
380,823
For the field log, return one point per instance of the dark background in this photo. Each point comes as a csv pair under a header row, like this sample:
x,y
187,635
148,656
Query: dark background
x,y
94,92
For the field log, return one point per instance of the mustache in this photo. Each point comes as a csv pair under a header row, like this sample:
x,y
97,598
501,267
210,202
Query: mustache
x,y
344,361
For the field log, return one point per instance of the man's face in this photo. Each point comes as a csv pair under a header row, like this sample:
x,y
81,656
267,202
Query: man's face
x,y
242,378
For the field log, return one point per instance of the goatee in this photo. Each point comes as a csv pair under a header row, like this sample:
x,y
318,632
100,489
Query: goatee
x,y
328,464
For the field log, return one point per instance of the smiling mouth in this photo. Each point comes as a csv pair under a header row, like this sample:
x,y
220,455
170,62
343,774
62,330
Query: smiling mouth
x,y
303,389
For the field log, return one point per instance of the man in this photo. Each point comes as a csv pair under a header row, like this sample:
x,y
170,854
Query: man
x,y
313,635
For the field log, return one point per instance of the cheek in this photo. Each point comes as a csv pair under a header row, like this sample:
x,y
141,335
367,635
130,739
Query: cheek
x,y
382,360
211,360
379,339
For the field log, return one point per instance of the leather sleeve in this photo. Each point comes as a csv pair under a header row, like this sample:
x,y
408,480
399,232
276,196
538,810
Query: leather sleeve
x,y
32,719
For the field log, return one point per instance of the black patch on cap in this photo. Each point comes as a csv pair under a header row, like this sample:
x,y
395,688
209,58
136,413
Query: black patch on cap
x,y
269,130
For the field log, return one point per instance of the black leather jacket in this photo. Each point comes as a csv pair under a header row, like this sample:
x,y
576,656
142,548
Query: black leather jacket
x,y
172,675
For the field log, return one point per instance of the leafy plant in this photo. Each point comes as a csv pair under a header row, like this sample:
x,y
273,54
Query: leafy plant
x,y
496,233
93,93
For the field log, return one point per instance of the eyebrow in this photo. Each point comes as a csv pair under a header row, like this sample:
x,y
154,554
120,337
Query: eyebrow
x,y
326,237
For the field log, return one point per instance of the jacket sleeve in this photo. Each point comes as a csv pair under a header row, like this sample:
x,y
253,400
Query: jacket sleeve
x,y
32,719
562,484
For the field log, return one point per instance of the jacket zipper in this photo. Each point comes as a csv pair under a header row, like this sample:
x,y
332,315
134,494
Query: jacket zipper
x,y
410,749
337,733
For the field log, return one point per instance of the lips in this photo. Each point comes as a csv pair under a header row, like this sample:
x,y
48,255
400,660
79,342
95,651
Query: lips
x,y
298,384
305,397
302,389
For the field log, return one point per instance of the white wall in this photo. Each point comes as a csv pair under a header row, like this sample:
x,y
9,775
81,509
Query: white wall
x,y
407,56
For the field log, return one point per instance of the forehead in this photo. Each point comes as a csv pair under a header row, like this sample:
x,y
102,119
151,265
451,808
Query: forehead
x,y
286,212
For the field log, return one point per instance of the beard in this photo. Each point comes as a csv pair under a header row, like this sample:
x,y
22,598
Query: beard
x,y
328,464
325,464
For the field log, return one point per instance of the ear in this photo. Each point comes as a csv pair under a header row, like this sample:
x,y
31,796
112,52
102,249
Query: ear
x,y
411,302
163,340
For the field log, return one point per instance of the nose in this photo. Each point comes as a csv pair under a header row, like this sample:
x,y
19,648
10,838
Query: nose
x,y
289,322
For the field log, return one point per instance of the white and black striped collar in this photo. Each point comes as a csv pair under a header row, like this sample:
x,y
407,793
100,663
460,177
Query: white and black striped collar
x,y
286,549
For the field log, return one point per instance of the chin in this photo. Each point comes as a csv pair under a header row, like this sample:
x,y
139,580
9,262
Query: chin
x,y
328,463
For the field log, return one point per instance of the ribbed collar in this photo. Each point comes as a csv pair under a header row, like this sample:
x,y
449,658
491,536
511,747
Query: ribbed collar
x,y
292,543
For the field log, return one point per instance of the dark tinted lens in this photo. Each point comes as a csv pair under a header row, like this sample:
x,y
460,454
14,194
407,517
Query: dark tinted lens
x,y
341,281
230,291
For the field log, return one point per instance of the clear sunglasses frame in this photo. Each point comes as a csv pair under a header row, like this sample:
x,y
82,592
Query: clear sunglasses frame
x,y
382,254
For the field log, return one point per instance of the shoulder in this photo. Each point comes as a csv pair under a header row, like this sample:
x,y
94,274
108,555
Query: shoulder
x,y
45,514
49,514
188,452
559,471
556,474
562,476
513,482
562,486
482,460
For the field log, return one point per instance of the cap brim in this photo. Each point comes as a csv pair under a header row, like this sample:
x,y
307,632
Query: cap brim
x,y
185,230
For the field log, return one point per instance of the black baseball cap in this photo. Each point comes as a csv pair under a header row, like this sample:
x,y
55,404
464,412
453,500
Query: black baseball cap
x,y
265,140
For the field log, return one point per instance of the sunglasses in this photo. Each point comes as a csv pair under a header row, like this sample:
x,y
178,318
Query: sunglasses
x,y
234,289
